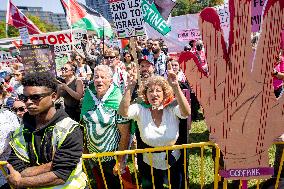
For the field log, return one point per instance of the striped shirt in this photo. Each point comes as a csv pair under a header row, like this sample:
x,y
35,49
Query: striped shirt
x,y
102,133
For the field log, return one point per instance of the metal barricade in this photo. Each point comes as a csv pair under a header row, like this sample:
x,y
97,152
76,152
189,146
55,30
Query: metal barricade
x,y
183,147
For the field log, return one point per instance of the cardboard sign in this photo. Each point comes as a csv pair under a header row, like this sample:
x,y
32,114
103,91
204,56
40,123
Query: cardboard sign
x,y
38,58
127,17
24,33
153,17
187,35
256,13
241,111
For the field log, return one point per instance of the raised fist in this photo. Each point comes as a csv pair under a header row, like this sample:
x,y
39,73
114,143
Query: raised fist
x,y
240,108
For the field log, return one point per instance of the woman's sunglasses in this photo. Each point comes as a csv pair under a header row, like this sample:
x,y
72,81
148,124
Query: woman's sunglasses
x,y
64,69
19,109
109,57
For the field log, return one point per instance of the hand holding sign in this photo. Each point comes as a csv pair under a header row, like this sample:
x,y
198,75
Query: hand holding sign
x,y
241,110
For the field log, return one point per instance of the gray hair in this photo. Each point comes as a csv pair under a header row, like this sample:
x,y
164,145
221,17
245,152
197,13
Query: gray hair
x,y
104,68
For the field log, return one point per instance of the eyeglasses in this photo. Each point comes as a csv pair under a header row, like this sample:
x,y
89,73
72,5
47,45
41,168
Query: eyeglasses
x,y
109,57
64,69
19,109
34,98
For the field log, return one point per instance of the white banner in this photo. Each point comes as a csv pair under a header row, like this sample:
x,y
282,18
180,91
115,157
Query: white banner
x,y
189,22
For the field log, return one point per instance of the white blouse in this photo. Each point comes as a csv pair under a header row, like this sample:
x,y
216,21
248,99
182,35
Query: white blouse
x,y
164,135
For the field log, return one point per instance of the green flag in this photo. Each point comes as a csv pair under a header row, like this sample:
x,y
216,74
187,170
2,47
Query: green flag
x,y
153,17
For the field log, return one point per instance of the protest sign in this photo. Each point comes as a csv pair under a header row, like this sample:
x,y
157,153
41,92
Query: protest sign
x,y
188,22
153,17
187,35
63,41
6,58
256,13
224,16
5,55
24,33
127,17
244,126
38,58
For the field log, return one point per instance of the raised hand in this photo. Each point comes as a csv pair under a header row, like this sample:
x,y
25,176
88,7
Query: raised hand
x,y
172,77
240,108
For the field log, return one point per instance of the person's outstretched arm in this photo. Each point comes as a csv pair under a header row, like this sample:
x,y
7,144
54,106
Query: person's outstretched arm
x,y
125,102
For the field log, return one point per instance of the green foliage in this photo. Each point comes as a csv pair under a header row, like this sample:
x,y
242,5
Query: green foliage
x,y
12,31
193,6
42,25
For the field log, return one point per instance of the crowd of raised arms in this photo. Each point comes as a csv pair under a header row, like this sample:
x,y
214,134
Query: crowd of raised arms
x,y
102,100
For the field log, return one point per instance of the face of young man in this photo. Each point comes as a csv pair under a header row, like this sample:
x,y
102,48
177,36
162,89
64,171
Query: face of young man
x,y
156,47
38,100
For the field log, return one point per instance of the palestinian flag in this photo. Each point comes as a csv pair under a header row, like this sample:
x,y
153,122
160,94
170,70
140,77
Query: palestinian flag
x,y
86,18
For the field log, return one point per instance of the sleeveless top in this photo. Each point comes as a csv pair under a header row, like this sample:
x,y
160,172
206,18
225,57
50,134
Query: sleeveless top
x,y
69,101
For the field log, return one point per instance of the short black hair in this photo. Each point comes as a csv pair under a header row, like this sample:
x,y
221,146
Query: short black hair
x,y
40,79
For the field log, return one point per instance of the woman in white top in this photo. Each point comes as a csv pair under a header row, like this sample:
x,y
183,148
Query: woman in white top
x,y
158,123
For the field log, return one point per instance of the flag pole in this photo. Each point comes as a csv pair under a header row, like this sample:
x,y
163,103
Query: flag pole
x,y
103,38
70,22
7,17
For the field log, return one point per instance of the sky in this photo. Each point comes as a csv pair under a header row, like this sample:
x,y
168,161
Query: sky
x,y
48,5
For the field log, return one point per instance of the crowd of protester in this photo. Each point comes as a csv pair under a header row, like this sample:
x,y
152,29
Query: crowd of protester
x,y
101,101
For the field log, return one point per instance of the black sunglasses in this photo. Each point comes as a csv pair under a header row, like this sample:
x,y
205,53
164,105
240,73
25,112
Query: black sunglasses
x,y
20,109
35,97
109,57
64,69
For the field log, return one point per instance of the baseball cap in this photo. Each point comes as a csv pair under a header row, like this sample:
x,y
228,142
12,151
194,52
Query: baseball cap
x,y
145,59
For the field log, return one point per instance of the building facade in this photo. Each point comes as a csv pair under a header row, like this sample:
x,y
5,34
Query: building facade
x,y
102,6
57,19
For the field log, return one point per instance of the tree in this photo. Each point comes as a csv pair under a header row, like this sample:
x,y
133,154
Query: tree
x,y
41,24
193,6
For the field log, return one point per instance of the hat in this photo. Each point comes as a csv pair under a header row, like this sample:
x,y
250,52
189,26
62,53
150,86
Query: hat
x,y
146,60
